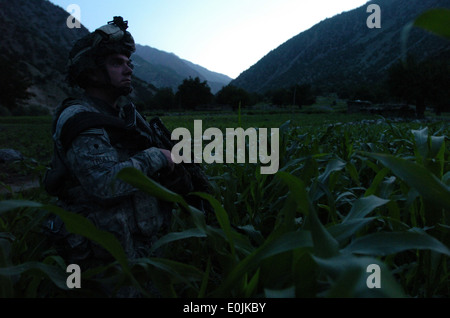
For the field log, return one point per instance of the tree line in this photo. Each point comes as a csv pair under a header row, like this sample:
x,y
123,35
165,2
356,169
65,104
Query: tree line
x,y
194,93
409,81
424,83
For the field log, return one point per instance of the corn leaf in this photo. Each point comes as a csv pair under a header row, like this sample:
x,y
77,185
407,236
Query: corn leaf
x,y
271,247
345,230
364,206
56,275
222,218
139,180
8,205
436,21
324,244
77,224
417,177
175,236
349,276
388,243
421,138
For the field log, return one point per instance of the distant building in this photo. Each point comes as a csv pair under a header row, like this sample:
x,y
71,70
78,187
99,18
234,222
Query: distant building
x,y
358,106
385,110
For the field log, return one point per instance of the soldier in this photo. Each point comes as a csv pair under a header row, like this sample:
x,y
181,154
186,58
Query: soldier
x,y
92,148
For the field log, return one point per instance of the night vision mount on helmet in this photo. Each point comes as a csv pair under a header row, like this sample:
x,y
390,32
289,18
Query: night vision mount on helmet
x,y
89,52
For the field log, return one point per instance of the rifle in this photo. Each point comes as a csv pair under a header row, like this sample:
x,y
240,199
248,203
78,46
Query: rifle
x,y
186,177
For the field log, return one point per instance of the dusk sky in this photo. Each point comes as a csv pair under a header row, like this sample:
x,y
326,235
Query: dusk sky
x,y
225,36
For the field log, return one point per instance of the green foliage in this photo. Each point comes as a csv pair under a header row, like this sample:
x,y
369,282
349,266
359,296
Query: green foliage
x,y
341,52
164,99
14,82
298,95
436,21
346,196
421,83
232,95
192,93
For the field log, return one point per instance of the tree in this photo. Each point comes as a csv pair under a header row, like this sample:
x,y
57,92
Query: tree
x,y
299,95
232,95
13,83
438,73
303,95
421,83
192,93
405,82
164,98
280,97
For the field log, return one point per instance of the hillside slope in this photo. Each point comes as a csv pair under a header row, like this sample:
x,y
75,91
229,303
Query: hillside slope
x,y
342,50
36,39
164,69
34,34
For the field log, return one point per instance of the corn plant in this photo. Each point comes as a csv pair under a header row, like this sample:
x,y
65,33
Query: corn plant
x,y
347,197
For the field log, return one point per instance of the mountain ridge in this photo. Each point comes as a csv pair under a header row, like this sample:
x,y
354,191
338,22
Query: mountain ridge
x,y
176,68
35,36
342,50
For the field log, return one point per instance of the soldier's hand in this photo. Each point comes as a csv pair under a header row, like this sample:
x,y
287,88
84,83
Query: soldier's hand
x,y
169,158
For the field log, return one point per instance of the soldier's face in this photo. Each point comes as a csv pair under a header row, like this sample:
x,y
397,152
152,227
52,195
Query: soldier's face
x,y
119,69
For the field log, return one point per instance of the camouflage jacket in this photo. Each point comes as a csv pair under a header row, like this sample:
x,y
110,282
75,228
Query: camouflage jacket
x,y
93,159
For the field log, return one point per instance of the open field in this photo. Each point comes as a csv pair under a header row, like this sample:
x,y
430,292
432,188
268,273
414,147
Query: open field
x,y
352,191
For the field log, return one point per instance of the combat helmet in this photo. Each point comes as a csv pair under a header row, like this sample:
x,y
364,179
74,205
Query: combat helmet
x,y
89,52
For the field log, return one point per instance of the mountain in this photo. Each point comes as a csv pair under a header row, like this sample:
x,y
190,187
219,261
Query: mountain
x,y
215,80
342,50
35,36
36,41
164,69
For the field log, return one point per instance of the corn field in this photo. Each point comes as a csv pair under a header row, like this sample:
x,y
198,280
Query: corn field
x,y
348,197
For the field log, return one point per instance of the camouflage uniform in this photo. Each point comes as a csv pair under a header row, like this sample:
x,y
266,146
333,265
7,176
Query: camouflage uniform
x,y
93,159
